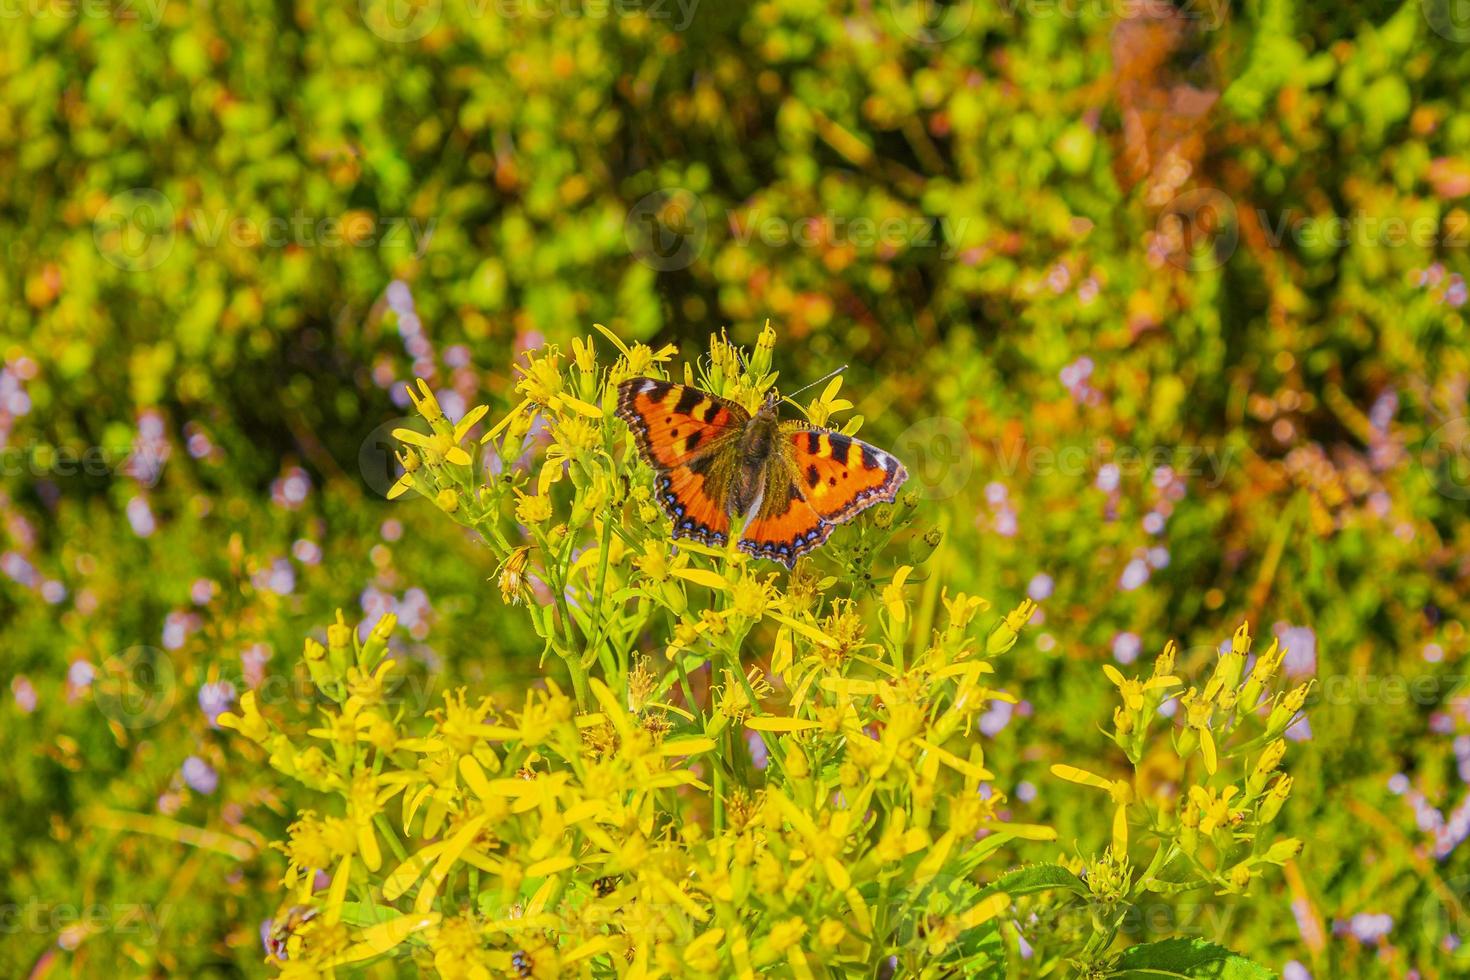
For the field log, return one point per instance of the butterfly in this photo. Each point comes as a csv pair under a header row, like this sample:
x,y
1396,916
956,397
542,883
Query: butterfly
x,y
791,481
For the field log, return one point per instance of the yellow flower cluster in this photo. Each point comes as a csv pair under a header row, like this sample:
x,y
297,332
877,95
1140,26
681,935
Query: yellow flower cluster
x,y
730,771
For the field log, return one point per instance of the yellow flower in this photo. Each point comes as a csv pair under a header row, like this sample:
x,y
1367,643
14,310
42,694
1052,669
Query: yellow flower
x,y
533,509
1214,807
425,402
1132,689
1005,634
541,379
823,407
438,448
249,722
893,598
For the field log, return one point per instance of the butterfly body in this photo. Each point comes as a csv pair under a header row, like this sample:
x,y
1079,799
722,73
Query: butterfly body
x,y
790,482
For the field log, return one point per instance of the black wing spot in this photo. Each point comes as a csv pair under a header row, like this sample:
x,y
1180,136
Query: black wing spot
x,y
687,400
870,459
812,477
694,439
813,442
831,481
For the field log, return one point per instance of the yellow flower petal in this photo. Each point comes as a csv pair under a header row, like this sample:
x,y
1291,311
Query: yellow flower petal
x,y
686,746
769,723
1082,777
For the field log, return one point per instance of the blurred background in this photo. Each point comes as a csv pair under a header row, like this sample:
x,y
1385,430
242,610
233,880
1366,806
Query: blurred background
x,y
1162,304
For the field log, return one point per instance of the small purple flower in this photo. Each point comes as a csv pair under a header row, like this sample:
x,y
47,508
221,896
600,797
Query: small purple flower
x,y
1153,522
140,516
1295,971
1005,524
24,692
1135,573
1039,590
1126,647
307,552
996,493
1398,784
199,776
391,530
996,718
1025,791
1370,928
759,753
80,674
1107,477
1158,557
203,591
214,698
1301,650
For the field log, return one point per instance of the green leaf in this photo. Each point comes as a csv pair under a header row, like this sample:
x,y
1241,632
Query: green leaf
x,y
1036,878
1187,958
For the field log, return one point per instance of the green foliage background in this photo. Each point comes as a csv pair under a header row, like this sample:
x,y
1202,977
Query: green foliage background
x,y
170,289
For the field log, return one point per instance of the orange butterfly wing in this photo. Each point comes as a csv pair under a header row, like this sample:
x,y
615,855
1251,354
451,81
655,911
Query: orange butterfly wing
x,y
687,436
785,528
840,476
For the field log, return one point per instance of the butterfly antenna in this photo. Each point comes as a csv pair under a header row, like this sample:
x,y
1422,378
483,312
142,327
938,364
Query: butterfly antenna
x,y
826,377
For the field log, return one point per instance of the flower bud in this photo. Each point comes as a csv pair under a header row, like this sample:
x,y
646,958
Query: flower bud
x,y
1271,805
1283,851
339,646
1265,766
377,642
1005,634
1164,665
447,500
315,656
